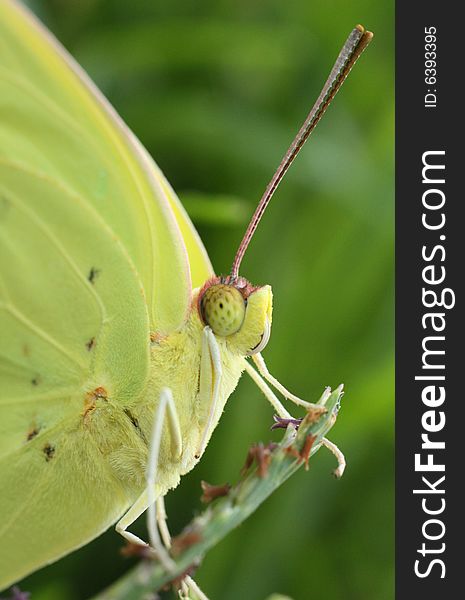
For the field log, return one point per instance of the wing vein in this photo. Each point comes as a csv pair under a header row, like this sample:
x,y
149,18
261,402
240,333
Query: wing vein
x,y
46,396
50,235
19,316
82,134
115,139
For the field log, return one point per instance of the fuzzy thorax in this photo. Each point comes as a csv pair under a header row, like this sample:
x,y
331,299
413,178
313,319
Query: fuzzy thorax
x,y
176,362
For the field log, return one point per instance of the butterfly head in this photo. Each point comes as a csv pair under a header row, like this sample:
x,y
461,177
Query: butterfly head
x,y
237,311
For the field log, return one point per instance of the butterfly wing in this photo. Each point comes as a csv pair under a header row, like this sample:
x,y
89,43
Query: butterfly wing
x,y
62,336
59,123
95,252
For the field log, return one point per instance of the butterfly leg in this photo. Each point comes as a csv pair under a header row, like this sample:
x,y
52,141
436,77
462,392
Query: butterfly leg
x,y
341,461
267,391
166,411
166,408
187,584
162,522
263,370
139,507
282,412
210,379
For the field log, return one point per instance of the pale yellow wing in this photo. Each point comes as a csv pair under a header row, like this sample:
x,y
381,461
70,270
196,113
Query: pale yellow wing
x,y
92,258
67,329
55,121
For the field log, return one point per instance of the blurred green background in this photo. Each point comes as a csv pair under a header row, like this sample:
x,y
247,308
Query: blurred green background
x,y
216,90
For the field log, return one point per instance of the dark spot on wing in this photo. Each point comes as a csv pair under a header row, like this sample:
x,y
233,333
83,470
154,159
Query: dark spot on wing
x,y
90,344
49,452
93,273
35,380
135,422
31,434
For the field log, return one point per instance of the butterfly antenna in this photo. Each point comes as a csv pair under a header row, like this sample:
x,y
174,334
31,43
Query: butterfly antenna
x,y
355,44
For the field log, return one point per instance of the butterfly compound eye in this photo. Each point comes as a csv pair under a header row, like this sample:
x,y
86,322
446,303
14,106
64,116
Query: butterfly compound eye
x,y
223,309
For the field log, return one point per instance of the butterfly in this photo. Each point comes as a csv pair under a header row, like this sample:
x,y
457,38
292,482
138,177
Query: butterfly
x,y
119,344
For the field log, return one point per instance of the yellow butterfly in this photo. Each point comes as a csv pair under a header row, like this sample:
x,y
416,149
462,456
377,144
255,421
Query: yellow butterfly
x,y
119,346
